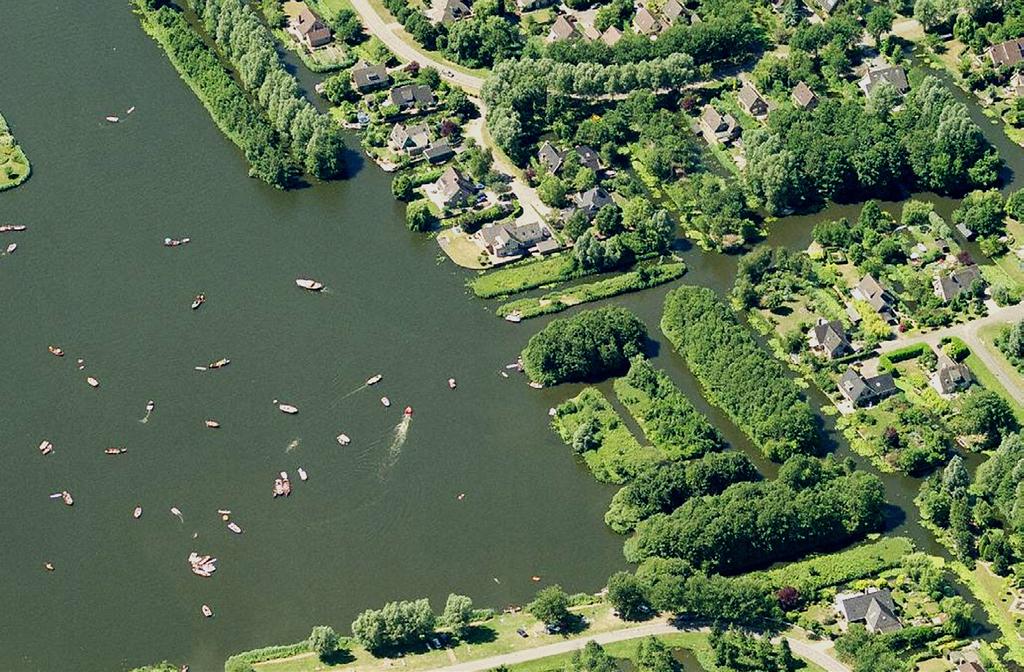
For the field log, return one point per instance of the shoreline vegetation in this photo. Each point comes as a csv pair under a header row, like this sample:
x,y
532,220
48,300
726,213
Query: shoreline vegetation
x,y
14,165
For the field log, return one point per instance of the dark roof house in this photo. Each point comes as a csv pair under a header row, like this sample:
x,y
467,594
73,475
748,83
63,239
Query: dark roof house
x,y
508,239
588,158
592,200
892,74
454,188
412,139
948,286
861,391
310,29
804,97
751,101
550,157
829,339
1007,53
875,609
868,289
370,77
449,11
718,128
408,96
439,152
645,22
950,376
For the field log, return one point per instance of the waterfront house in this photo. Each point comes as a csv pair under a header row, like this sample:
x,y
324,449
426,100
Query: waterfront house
x,y
874,609
592,200
308,29
408,96
645,23
588,158
861,391
611,36
412,139
966,659
510,239
751,101
718,128
366,78
438,152
803,97
454,190
829,339
948,285
1007,54
564,28
950,377
891,74
869,290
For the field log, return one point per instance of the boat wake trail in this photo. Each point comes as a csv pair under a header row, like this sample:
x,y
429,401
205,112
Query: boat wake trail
x,y
349,394
292,445
399,435
146,418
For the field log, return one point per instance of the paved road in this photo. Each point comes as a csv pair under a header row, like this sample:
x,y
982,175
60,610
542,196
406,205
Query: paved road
x,y
968,331
816,652
389,35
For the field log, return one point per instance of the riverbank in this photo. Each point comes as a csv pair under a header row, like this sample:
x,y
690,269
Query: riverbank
x,y
14,165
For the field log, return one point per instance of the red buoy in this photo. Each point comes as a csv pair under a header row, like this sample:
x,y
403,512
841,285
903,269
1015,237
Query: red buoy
x,y
408,410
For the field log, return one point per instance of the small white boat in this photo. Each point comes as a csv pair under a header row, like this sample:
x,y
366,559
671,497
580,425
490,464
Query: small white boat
x,y
234,528
207,612
66,496
45,447
92,382
552,412
514,317
302,474
175,511
287,408
8,228
535,385
130,110
451,383
55,351
220,363
385,401
199,300
503,374
137,513
48,566
343,439
373,380
150,405
57,495
11,248
115,451
311,285
199,368
81,363
212,424
112,119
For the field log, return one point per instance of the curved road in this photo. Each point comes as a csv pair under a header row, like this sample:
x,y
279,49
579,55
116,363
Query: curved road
x,y
388,33
816,652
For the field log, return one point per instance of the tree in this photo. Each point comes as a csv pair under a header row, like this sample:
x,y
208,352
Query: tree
x,y
1015,205
550,606
397,624
916,213
653,656
626,593
591,658
401,187
323,641
879,20
552,191
982,212
418,216
986,413
458,614
347,27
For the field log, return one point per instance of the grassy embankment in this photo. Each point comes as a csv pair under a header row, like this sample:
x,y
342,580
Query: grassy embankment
x,y
14,165
632,281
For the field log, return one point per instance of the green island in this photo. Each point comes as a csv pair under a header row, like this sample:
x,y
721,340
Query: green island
x,y
14,165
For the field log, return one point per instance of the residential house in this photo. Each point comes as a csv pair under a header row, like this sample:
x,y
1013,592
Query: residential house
x,y
966,659
564,28
611,36
718,128
448,11
454,189
588,158
949,285
1016,86
803,96
972,666
509,239
751,101
550,157
438,152
861,391
408,96
645,23
1006,54
592,200
672,11
950,377
874,609
829,339
869,290
828,6
412,139
309,29
368,78
893,74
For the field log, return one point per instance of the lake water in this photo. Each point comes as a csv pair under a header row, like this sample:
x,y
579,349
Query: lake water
x,y
374,522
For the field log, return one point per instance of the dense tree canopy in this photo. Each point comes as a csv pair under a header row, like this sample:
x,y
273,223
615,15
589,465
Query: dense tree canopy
x,y
397,624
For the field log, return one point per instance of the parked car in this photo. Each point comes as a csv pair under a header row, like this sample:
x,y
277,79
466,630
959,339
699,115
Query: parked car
x,y
522,633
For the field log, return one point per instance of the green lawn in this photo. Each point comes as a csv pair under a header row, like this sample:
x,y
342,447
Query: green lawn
x,y
522,276
986,378
14,165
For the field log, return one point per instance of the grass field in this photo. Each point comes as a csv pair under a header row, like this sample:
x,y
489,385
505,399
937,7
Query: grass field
x,y
522,276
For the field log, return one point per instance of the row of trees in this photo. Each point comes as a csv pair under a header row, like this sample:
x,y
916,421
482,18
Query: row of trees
x,y
664,487
844,150
232,111
738,375
404,623
811,505
590,345
312,138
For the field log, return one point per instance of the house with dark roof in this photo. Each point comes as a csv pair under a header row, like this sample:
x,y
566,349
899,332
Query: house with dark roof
x,y
803,96
408,96
438,152
564,28
592,200
411,139
869,290
646,23
875,610
966,659
611,36
829,339
454,190
368,78
672,11
309,29
828,6
588,158
448,11
861,391
1006,54
751,101
550,157
948,285
891,74
950,377
718,128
